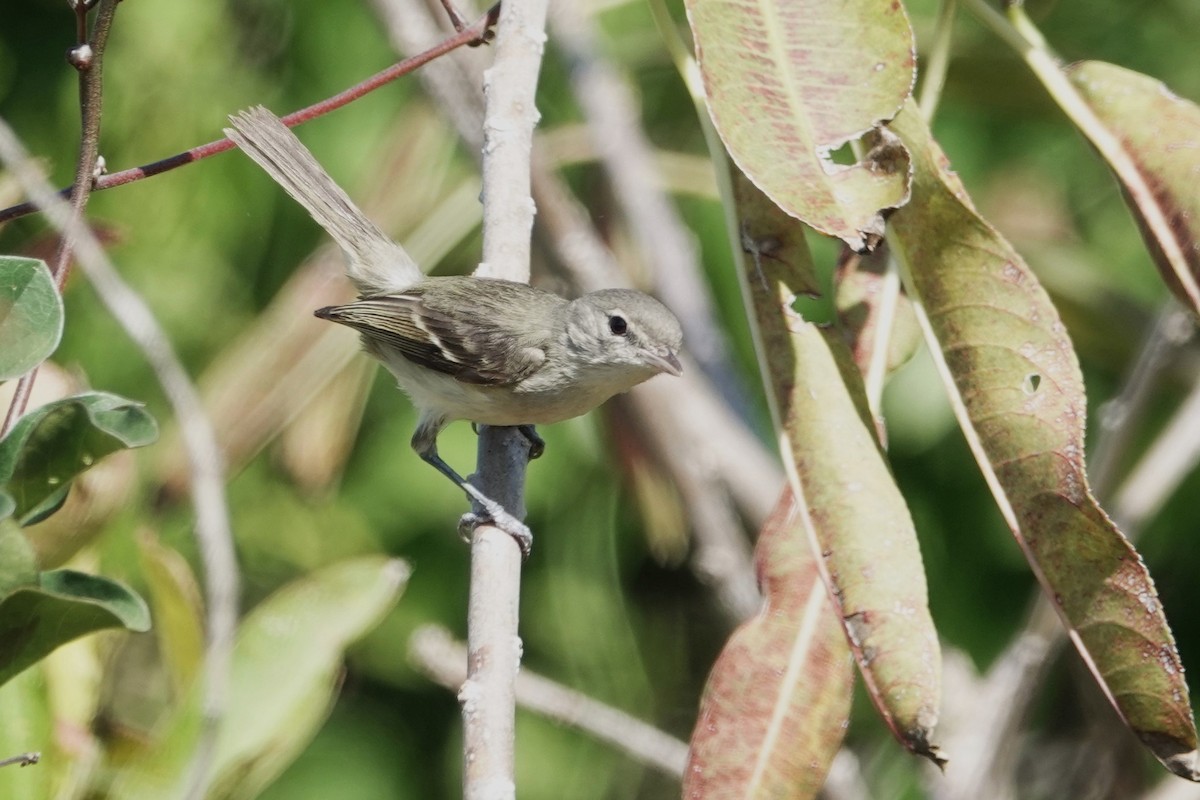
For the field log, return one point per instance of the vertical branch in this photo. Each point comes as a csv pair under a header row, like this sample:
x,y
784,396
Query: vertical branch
x,y
87,57
488,696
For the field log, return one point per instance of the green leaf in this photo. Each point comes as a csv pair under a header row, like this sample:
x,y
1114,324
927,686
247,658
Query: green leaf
x,y
852,511
787,84
775,706
178,611
18,565
52,444
286,664
1155,133
61,606
31,315
1016,387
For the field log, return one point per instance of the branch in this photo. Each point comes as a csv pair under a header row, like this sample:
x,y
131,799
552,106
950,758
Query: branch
x,y
207,480
489,706
88,58
24,760
471,35
436,654
725,463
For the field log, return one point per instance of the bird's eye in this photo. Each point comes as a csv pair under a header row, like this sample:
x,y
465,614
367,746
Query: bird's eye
x,y
618,325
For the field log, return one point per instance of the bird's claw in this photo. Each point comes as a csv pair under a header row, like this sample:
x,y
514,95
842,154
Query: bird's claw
x,y
537,445
494,514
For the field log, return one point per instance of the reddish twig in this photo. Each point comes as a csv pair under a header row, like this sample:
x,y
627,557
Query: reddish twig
x,y
87,57
474,34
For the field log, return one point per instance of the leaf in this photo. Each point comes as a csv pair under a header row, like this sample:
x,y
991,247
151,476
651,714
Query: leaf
x,y
864,305
18,565
31,315
286,664
1017,391
1157,161
852,511
787,83
52,444
178,610
62,605
775,707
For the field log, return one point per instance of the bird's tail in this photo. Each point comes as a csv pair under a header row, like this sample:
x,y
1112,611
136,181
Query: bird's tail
x,y
376,263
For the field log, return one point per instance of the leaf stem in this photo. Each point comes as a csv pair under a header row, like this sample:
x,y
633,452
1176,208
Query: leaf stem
x,y
1027,40
934,76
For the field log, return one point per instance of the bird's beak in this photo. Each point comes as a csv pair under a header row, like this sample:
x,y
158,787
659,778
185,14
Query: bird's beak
x,y
668,363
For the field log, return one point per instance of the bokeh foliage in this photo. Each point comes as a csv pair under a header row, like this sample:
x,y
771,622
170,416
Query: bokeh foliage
x,y
211,245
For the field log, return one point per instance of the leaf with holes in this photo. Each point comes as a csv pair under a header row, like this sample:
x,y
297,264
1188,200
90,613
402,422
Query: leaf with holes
x,y
31,315
788,82
52,444
775,706
1015,384
852,511
1156,132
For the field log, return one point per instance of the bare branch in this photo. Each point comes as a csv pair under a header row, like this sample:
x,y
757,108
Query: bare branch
x,y
88,58
489,710
475,33
24,760
436,654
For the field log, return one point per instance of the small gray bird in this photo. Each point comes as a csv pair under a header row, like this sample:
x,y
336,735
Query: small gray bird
x,y
490,351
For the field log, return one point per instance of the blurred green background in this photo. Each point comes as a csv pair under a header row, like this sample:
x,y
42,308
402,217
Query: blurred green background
x,y
606,607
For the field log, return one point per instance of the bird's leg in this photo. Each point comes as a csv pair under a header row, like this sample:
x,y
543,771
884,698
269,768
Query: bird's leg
x,y
537,445
424,442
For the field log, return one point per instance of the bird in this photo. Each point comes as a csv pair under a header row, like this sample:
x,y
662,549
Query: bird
x,y
487,350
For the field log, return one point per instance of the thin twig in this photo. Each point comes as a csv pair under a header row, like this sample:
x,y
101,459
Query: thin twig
x,y
435,652
88,58
489,705
207,480
476,32
24,760
1119,416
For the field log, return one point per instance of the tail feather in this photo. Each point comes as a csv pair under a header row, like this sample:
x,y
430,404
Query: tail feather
x,y
376,263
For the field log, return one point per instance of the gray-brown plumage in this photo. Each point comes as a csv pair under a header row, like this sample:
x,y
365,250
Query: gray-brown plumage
x,y
490,351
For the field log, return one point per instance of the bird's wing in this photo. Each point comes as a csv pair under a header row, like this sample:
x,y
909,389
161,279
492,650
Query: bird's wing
x,y
463,341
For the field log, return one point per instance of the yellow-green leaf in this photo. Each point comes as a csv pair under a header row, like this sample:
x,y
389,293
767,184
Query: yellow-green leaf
x,y
1015,383
286,663
852,511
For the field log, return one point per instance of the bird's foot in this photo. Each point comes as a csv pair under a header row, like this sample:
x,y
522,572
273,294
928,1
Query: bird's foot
x,y
494,514
537,445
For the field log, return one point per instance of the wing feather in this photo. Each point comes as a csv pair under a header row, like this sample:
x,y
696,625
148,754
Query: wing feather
x,y
461,333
